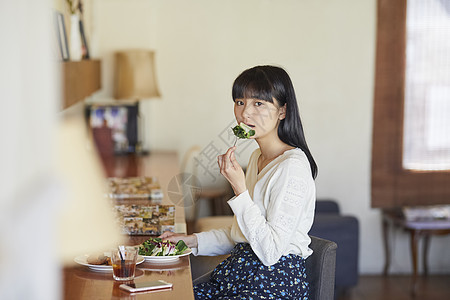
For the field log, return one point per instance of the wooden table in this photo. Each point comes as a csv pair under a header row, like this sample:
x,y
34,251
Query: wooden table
x,y
82,283
417,229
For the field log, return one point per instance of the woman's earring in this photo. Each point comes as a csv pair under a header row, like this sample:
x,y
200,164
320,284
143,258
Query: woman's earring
x,y
282,113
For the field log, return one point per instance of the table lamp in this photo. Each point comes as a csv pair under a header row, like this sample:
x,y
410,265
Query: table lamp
x,y
135,79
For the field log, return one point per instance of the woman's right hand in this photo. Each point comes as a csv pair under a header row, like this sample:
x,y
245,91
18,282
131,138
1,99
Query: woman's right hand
x,y
232,171
190,240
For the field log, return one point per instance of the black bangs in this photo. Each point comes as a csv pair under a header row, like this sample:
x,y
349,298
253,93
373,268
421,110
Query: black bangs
x,y
253,84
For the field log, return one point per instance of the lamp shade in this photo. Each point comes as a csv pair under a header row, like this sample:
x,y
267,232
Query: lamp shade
x,y
135,75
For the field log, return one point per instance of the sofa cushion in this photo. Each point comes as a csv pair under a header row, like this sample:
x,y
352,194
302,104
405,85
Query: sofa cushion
x,y
344,231
327,206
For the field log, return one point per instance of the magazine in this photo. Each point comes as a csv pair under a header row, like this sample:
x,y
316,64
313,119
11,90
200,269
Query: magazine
x,y
134,187
423,213
145,219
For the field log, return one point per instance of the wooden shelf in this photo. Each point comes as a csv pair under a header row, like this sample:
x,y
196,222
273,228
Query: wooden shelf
x,y
80,80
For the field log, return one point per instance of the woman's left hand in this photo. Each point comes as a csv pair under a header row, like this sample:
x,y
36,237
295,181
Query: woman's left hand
x,y
190,240
232,171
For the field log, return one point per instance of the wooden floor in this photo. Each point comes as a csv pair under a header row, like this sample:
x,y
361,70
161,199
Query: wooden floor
x,y
397,287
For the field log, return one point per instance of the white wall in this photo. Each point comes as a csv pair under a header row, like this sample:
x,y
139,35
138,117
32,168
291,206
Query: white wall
x,y
328,48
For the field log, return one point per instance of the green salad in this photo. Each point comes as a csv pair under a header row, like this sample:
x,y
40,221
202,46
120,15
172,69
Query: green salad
x,y
158,247
243,131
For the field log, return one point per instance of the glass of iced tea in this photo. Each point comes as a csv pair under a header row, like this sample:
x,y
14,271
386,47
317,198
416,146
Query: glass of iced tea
x,y
123,261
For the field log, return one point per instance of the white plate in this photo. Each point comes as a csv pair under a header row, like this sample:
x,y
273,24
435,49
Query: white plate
x,y
163,259
167,266
82,260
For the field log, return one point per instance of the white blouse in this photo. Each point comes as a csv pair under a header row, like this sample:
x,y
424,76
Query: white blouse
x,y
274,215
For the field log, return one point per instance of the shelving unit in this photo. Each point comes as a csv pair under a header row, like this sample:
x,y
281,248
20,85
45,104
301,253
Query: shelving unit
x,y
80,80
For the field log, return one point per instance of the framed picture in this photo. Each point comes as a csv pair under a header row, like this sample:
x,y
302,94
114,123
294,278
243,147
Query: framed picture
x,y
62,36
84,41
122,121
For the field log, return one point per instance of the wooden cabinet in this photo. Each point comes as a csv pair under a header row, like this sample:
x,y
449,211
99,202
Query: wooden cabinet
x,y
80,80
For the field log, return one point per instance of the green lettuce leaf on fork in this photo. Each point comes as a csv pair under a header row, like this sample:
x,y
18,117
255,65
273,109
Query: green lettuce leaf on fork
x,y
243,131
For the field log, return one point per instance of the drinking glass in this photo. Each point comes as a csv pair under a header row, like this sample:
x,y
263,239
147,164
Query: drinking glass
x,y
123,261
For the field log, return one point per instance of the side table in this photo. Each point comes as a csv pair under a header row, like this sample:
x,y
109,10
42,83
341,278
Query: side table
x,y
417,229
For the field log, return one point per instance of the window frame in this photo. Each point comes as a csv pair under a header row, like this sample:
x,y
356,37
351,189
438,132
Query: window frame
x,y
392,185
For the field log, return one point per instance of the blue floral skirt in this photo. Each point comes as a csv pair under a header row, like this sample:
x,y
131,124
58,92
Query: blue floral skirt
x,y
243,276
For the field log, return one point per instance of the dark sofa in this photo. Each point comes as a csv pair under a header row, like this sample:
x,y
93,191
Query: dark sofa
x,y
330,224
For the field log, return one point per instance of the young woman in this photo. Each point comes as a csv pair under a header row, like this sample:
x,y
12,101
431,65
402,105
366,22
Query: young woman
x,y
274,201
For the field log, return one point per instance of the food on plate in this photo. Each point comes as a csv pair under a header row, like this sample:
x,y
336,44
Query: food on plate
x,y
158,247
243,131
98,259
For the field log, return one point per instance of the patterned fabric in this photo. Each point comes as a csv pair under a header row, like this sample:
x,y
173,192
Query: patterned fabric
x,y
243,276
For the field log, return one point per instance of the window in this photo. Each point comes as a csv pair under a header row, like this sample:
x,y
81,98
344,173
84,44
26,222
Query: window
x,y
426,133
411,124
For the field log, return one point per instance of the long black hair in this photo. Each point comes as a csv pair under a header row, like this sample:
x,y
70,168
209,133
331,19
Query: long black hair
x,y
268,83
